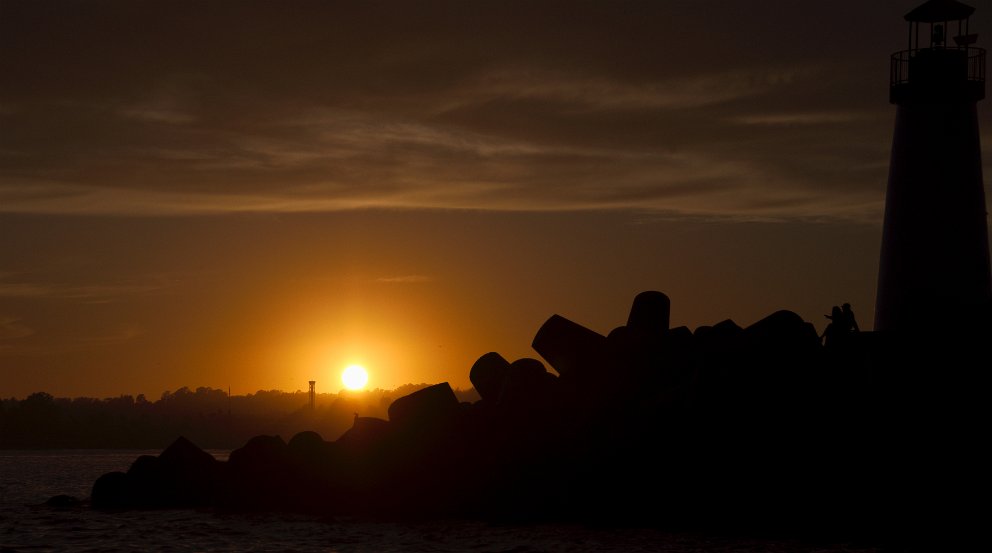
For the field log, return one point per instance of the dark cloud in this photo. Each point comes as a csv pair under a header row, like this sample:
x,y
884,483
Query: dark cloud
x,y
776,108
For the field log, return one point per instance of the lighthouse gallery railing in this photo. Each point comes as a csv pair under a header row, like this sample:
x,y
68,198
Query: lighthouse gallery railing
x,y
932,69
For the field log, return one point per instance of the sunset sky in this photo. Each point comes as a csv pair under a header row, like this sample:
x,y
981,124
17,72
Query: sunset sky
x,y
257,194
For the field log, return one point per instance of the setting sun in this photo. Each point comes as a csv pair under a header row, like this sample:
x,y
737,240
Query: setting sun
x,y
355,377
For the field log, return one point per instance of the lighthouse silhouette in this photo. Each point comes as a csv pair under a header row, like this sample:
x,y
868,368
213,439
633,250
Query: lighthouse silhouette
x,y
934,265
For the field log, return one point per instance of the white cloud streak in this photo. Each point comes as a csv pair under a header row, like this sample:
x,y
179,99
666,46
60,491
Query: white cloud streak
x,y
788,119
601,93
90,293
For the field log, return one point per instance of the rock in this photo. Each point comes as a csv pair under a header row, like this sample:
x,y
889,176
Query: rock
x,y
527,367
726,327
308,451
631,355
259,452
110,491
260,475
527,384
650,313
710,340
435,404
522,382
570,347
622,338
783,339
488,375
183,475
185,457
314,466
147,485
364,432
716,352
676,355
63,502
776,360
782,327
193,471
680,333
306,443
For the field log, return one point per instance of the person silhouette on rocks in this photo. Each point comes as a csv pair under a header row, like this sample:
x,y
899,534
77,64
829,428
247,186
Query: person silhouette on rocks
x,y
834,328
842,325
850,323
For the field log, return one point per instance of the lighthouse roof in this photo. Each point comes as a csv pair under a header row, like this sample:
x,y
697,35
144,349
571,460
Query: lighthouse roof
x,y
933,11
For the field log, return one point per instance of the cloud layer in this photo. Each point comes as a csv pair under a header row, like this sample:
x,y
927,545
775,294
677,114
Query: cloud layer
x,y
705,108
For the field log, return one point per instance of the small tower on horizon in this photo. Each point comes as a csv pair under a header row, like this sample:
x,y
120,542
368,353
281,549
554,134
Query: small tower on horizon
x,y
313,395
935,247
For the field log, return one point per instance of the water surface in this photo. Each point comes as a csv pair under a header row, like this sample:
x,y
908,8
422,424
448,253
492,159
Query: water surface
x,y
29,478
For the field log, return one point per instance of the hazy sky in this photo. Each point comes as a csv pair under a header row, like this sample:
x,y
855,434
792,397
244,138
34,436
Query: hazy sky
x,y
255,194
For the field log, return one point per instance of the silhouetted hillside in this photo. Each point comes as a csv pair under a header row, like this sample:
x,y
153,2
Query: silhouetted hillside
x,y
206,415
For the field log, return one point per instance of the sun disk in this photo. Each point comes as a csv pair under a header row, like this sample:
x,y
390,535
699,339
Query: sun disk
x,y
355,377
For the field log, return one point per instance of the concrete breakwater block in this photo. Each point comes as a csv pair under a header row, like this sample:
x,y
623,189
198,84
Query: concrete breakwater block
x,y
488,375
569,347
433,404
650,313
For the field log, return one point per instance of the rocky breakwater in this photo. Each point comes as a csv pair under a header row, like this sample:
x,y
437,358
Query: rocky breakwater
x,y
751,427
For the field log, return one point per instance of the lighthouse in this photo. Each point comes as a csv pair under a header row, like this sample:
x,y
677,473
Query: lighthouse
x,y
934,265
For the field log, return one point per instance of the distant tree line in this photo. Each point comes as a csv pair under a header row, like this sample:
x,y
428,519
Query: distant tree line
x,y
206,416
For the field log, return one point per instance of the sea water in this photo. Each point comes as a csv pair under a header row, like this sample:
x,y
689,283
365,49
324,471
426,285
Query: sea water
x,y
29,478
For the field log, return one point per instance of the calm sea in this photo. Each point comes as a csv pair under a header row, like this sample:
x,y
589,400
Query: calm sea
x,y
29,478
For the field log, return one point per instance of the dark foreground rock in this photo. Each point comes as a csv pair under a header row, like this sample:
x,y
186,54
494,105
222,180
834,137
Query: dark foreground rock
x,y
64,502
759,428
183,475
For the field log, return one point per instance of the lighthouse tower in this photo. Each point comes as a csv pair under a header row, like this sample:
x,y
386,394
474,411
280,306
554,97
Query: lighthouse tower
x,y
935,245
